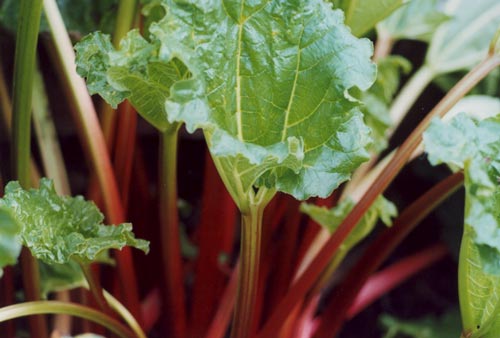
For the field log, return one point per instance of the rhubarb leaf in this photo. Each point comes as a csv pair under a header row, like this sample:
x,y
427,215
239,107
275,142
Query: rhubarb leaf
x,y
269,87
464,40
330,219
59,277
363,15
416,20
58,228
10,242
132,72
473,146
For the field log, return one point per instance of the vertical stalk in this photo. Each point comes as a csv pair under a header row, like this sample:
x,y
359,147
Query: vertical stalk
x,y
174,302
24,66
95,288
251,231
94,146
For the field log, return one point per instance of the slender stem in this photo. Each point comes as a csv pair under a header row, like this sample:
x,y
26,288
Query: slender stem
x,y
174,301
94,145
124,313
95,288
408,95
55,307
383,45
24,66
251,231
303,284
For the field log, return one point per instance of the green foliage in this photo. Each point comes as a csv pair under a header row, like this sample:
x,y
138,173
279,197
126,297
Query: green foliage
x,y
378,98
446,326
330,219
81,16
474,147
268,86
58,277
363,15
417,20
10,243
58,228
133,72
463,41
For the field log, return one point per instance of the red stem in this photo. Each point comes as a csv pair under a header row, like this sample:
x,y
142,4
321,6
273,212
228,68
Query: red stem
x,y
384,281
222,318
216,233
382,247
322,259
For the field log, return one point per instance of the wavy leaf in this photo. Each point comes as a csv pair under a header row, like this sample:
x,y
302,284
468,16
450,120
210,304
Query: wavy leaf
x,y
58,228
10,242
330,219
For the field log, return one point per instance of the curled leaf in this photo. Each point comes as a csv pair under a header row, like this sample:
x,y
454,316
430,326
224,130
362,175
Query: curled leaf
x,y
59,228
10,243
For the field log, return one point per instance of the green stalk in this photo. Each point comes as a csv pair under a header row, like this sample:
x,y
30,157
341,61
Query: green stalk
x,y
95,288
94,146
55,307
24,65
125,314
408,95
250,251
174,300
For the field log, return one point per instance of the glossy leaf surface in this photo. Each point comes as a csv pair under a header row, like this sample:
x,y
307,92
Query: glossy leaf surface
x,y
58,228
268,85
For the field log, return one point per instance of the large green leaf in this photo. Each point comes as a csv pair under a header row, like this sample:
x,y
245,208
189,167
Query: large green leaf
x,y
59,277
445,326
330,219
10,242
463,41
80,16
58,228
269,85
363,15
417,20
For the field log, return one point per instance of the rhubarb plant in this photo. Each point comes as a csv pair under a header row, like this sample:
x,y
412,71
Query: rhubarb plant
x,y
293,102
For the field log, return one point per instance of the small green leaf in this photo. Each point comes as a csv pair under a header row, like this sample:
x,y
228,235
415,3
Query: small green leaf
x,y
463,41
330,219
417,20
10,242
363,15
82,17
378,98
445,326
58,228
